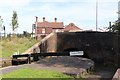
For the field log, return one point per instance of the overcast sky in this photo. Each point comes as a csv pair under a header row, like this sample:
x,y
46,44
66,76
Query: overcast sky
x,y
80,12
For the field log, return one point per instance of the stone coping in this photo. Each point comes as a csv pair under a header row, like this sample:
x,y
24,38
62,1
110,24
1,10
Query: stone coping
x,y
37,44
117,75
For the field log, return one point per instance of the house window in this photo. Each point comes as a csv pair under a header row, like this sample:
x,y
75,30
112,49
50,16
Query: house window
x,y
57,30
72,30
43,30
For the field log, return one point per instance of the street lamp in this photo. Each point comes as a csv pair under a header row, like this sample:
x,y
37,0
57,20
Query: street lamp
x,y
96,14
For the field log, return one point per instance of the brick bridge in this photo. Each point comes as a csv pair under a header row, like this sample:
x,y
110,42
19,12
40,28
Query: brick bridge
x,y
102,47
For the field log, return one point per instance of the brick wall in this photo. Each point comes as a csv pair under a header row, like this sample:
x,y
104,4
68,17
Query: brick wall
x,y
49,45
118,51
71,28
117,75
48,30
6,62
101,47
45,45
39,30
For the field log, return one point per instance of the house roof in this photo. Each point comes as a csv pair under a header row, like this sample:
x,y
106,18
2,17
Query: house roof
x,y
72,26
50,24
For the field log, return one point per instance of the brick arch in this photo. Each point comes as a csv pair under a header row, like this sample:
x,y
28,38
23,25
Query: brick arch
x,y
71,49
77,49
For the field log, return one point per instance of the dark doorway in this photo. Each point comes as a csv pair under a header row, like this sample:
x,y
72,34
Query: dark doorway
x,y
71,49
43,36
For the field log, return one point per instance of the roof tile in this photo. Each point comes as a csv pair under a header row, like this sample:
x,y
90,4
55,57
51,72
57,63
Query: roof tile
x,y
50,24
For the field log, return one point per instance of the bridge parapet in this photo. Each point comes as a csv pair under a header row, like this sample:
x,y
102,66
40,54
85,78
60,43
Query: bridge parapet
x,y
117,75
40,46
102,47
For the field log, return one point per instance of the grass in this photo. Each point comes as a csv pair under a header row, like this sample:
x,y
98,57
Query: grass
x,y
34,73
90,72
87,74
11,45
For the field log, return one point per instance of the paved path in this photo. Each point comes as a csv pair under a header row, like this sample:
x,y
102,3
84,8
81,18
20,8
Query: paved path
x,y
68,70
67,65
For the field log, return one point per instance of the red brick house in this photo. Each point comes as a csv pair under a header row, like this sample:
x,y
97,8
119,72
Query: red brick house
x,y
72,28
44,28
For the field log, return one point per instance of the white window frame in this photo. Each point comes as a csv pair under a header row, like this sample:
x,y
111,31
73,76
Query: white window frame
x,y
57,30
43,31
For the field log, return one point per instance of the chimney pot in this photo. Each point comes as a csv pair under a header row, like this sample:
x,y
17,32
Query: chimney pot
x,y
43,19
36,19
55,19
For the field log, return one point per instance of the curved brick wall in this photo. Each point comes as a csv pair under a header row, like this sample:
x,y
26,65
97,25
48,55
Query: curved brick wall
x,y
101,46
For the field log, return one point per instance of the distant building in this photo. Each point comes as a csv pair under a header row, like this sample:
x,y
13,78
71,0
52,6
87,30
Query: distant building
x,y
3,34
44,28
72,28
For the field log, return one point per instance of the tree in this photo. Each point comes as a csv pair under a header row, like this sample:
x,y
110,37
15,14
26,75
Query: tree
x,y
14,21
27,34
1,22
116,26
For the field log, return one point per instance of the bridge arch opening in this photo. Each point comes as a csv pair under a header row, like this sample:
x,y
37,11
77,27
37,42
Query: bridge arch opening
x,y
71,49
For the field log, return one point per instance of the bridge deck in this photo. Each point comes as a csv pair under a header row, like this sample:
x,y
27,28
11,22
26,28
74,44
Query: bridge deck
x,y
63,64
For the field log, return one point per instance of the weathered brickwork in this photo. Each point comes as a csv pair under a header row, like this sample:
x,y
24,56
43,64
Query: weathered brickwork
x,y
45,27
48,44
101,47
72,28
117,75
5,62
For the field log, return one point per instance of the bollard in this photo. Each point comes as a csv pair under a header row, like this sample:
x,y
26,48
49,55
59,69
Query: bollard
x,y
29,58
14,57
35,58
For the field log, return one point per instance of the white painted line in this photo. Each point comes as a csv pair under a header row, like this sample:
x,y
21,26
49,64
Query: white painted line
x,y
15,66
6,67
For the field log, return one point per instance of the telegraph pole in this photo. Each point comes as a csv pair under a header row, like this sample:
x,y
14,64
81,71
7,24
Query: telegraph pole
x,y
96,15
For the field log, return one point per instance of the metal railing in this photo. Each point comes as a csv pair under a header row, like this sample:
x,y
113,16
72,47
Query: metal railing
x,y
44,54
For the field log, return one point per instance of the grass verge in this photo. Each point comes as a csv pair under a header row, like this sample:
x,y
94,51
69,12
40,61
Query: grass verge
x,y
9,46
34,73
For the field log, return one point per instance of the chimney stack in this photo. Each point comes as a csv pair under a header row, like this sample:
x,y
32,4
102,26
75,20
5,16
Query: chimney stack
x,y
36,19
55,19
43,19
